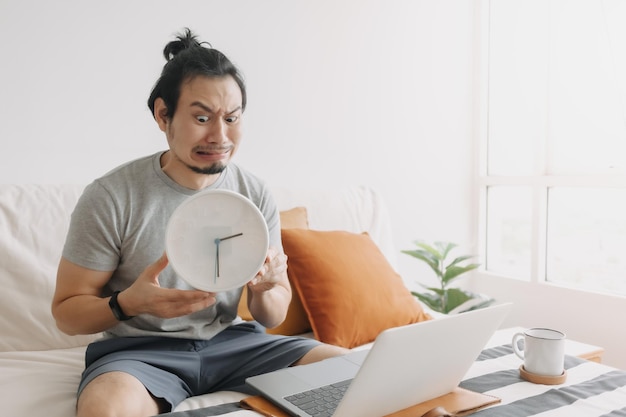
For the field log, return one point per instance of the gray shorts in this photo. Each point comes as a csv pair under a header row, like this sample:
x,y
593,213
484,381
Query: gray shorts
x,y
175,369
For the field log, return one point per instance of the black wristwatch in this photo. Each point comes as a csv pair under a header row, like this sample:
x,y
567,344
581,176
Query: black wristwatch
x,y
116,309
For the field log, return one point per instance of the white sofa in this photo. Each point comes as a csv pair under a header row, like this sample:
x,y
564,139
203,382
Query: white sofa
x,y
40,366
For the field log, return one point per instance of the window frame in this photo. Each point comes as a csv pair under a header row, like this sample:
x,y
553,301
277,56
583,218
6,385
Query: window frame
x,y
539,182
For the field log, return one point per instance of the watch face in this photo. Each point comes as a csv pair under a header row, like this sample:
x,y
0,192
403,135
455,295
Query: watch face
x,y
216,240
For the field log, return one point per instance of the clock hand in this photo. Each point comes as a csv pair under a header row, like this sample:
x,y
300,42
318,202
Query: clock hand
x,y
217,259
217,254
229,237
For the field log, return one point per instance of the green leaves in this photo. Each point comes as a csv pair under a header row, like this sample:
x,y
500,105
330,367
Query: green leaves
x,y
444,299
426,257
452,272
433,301
433,255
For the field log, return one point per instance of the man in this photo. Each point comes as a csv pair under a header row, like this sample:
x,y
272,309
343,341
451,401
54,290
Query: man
x,y
165,341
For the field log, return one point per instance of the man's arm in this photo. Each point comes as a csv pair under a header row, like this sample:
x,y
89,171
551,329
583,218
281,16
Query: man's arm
x,y
269,292
78,306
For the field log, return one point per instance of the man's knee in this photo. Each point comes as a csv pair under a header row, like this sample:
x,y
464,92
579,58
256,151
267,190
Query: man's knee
x,y
116,394
321,352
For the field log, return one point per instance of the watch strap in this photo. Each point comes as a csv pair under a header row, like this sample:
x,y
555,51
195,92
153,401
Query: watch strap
x,y
117,309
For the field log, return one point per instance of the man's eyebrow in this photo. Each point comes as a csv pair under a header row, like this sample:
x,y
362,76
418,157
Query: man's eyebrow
x,y
235,110
202,106
209,110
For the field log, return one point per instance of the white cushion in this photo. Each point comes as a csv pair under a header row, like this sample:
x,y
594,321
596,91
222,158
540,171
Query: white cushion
x,y
33,224
355,209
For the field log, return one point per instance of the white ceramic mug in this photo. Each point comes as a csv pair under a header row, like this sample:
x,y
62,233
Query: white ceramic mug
x,y
544,351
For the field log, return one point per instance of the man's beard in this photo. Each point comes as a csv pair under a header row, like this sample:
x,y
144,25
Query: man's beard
x,y
216,168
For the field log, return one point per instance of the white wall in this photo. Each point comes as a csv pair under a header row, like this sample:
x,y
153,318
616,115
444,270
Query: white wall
x,y
369,92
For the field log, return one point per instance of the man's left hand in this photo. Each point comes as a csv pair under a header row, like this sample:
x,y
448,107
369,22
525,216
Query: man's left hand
x,y
271,273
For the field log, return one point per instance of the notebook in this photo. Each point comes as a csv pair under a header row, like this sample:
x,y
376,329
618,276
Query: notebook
x,y
405,366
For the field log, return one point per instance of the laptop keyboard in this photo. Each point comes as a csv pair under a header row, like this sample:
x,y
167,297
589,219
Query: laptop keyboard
x,y
320,402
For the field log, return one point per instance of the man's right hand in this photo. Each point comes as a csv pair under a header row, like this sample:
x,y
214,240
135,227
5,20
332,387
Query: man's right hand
x,y
146,296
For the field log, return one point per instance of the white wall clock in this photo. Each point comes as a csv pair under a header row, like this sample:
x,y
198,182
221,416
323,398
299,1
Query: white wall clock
x,y
216,240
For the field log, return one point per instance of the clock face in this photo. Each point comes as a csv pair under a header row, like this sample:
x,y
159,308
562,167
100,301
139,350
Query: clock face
x,y
216,240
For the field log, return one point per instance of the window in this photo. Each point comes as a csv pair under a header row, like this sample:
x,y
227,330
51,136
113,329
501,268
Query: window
x,y
553,179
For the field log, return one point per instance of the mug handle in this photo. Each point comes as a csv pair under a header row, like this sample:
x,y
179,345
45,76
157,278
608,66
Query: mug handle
x,y
516,349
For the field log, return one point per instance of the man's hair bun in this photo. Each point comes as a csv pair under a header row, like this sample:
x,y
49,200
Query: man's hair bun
x,y
185,40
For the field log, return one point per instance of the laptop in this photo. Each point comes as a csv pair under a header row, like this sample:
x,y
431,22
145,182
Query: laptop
x,y
405,366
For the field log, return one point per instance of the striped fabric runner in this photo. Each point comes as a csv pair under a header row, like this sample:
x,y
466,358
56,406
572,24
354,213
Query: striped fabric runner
x,y
591,389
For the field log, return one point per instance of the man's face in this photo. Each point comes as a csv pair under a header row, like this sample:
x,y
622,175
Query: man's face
x,y
205,131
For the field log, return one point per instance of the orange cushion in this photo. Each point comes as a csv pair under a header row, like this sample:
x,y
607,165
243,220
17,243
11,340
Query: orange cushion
x,y
295,218
296,321
348,288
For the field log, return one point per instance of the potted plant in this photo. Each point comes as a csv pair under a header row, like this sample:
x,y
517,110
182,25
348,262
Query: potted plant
x,y
445,299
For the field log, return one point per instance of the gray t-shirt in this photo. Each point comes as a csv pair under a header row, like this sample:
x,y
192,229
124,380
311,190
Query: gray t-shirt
x,y
119,225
